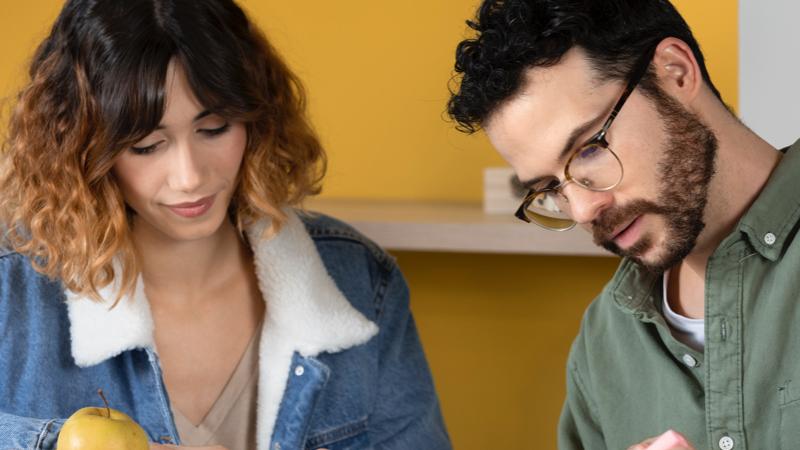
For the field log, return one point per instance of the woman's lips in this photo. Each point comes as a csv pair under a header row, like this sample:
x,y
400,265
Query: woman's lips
x,y
629,234
193,209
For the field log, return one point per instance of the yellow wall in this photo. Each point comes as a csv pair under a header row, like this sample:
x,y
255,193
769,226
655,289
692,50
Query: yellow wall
x,y
496,328
378,72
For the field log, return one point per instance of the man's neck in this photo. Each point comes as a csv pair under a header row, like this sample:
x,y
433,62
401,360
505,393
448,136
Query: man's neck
x,y
744,164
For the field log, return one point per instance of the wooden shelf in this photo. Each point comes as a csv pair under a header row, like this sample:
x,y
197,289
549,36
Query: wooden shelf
x,y
452,227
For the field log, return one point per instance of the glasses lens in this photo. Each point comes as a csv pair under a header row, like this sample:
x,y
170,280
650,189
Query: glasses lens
x,y
550,210
595,167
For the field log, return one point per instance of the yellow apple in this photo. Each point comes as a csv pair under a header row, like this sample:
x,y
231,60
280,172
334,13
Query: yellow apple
x,y
101,428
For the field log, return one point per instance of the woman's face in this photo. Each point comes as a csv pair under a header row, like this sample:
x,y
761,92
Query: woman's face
x,y
180,178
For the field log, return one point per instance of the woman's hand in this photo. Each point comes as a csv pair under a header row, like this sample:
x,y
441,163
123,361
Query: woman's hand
x,y
671,440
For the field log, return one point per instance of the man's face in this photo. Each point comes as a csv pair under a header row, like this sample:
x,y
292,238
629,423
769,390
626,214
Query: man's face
x,y
656,213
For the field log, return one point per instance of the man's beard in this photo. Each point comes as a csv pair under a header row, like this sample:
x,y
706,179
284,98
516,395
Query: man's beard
x,y
686,168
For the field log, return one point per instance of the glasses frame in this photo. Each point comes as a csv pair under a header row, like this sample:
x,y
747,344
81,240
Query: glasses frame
x,y
598,138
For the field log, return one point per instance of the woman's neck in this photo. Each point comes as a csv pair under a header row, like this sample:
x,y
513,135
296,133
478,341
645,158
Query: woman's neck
x,y
188,271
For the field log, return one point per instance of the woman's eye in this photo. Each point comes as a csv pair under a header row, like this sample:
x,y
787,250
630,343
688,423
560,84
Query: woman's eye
x,y
215,131
145,150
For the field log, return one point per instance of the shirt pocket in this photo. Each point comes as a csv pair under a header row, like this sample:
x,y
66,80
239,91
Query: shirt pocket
x,y
352,436
789,397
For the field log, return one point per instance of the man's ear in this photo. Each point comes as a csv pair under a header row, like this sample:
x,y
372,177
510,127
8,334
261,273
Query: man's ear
x,y
677,70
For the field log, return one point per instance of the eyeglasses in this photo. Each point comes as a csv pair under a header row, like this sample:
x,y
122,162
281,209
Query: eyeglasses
x,y
593,166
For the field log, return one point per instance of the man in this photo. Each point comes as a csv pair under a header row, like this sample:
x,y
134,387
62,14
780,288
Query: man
x,y
606,111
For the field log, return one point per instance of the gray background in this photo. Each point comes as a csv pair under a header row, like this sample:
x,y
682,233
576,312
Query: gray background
x,y
769,68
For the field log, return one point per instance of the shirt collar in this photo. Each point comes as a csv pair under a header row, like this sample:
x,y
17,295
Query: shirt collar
x,y
767,225
771,219
632,289
303,303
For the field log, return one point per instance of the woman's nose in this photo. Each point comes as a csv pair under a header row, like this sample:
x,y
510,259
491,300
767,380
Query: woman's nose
x,y
186,173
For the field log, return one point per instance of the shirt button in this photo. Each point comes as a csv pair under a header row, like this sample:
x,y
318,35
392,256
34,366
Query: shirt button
x,y
277,446
299,371
769,238
726,443
689,360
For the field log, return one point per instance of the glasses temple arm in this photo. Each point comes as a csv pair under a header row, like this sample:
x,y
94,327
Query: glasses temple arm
x,y
641,68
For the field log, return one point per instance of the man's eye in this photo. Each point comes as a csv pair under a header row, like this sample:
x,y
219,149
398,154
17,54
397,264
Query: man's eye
x,y
546,184
590,151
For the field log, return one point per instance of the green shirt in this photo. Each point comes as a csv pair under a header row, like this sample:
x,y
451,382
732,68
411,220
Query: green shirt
x,y
629,379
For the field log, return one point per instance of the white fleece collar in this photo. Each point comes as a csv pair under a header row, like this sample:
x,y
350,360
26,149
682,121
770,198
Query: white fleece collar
x,y
306,313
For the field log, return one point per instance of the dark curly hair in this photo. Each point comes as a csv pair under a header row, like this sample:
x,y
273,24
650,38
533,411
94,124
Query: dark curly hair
x,y
514,35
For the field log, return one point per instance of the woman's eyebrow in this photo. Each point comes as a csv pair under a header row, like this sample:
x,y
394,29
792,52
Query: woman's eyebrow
x,y
202,114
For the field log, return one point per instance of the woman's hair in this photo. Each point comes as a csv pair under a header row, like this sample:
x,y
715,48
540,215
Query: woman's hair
x,y
97,86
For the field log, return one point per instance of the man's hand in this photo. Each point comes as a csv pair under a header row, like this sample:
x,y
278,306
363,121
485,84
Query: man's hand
x,y
176,447
671,440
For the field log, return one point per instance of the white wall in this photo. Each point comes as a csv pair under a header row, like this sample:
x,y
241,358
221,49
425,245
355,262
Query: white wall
x,y
769,68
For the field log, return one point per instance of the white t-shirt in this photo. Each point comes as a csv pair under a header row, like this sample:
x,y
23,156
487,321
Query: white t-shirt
x,y
691,332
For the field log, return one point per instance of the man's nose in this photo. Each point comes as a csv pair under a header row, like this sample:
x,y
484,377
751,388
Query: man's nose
x,y
585,205
186,173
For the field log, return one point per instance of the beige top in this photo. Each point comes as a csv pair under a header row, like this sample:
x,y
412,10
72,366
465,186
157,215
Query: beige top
x,y
231,421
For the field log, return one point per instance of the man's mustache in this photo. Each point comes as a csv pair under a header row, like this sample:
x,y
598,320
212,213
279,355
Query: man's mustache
x,y
608,221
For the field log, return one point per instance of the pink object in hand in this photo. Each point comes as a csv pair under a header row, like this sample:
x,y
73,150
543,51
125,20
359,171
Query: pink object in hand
x,y
668,441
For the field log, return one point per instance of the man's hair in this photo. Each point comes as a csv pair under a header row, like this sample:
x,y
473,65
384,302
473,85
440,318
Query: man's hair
x,y
98,85
515,35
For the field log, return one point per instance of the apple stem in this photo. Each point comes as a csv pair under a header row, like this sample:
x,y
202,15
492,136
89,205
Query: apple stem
x,y
108,410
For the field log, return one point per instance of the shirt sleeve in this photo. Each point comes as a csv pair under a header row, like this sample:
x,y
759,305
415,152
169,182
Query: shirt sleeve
x,y
407,413
578,428
26,433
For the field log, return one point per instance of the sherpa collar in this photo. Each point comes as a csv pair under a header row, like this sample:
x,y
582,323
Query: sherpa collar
x,y
306,313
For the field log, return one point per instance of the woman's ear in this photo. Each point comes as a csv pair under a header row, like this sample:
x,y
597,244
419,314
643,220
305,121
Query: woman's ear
x,y
677,70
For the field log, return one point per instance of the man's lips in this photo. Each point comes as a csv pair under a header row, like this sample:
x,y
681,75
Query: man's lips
x,y
622,228
629,235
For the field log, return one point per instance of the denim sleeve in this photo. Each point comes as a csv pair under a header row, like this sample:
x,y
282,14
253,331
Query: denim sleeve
x,y
29,434
407,414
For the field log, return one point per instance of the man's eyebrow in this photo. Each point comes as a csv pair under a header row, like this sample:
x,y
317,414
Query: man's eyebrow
x,y
196,118
573,138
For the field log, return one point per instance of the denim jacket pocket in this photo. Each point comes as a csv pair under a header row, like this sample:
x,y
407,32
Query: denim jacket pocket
x,y
789,396
351,436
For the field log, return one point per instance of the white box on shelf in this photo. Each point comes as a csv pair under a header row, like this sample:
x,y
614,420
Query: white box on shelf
x,y
499,193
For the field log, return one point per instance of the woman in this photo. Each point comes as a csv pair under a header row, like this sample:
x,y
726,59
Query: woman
x,y
151,251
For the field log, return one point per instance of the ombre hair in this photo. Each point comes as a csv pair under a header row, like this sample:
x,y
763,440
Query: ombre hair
x,y
97,86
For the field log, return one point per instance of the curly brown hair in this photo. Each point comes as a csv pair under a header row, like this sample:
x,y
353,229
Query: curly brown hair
x,y
97,85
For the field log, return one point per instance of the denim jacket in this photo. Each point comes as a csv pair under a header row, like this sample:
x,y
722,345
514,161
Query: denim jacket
x,y
340,361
